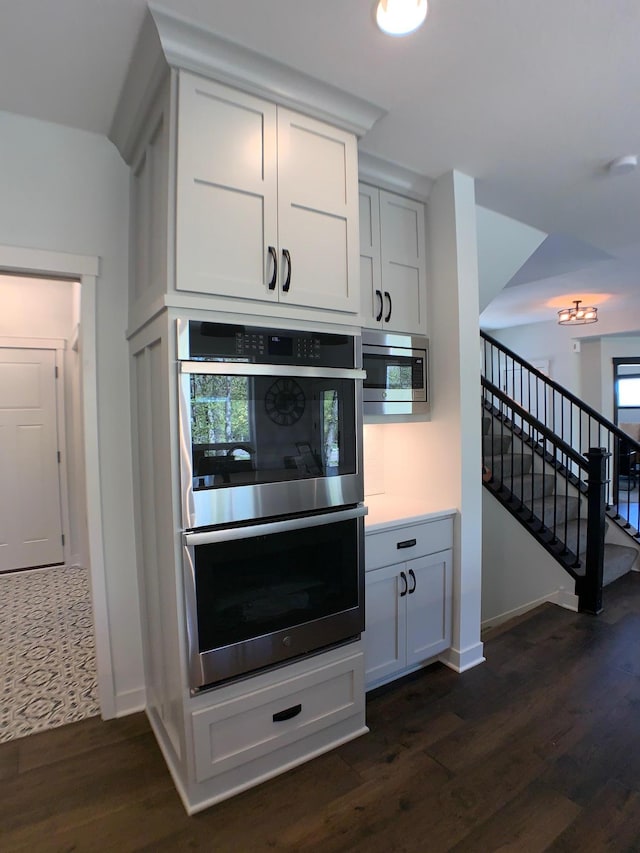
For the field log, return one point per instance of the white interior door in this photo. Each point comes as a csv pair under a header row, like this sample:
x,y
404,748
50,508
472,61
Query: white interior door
x,y
30,516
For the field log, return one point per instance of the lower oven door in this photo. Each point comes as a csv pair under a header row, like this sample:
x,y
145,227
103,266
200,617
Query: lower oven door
x,y
261,594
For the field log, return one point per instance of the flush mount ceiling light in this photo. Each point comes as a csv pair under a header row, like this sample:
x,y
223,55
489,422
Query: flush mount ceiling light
x,y
577,316
400,17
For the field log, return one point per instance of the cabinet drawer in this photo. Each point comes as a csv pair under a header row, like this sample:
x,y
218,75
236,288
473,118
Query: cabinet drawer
x,y
381,549
232,733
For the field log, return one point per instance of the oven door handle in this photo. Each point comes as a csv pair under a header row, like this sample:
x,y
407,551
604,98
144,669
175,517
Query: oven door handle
x,y
245,368
208,537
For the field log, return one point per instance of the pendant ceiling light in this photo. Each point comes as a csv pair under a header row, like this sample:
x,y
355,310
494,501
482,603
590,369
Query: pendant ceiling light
x,y
577,316
400,17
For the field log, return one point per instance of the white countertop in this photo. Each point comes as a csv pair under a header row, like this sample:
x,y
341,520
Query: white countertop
x,y
391,510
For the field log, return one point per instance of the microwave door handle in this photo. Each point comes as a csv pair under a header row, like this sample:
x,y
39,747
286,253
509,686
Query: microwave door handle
x,y
209,537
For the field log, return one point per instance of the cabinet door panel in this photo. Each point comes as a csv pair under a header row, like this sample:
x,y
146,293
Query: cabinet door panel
x,y
403,285
428,606
403,259
226,190
229,245
319,262
385,629
370,284
317,212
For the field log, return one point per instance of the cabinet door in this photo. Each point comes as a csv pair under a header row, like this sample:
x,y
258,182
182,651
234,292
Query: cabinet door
x,y
317,214
226,191
385,628
370,281
403,259
428,606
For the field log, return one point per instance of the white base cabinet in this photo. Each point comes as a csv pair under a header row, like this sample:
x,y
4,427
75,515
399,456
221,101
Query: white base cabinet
x,y
408,602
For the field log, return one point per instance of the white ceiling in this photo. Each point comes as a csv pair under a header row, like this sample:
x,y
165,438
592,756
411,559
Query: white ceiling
x,y
531,97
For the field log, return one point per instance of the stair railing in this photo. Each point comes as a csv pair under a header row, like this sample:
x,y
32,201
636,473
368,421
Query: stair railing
x,y
540,496
574,422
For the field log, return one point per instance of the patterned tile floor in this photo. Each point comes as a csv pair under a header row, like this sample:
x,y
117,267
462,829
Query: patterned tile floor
x,y
47,650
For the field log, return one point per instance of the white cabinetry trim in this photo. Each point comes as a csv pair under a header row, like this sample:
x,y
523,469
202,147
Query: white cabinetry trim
x,y
166,38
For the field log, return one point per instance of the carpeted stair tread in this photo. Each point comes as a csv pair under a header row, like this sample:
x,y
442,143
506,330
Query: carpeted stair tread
x,y
492,445
550,511
502,466
575,534
524,496
618,560
531,486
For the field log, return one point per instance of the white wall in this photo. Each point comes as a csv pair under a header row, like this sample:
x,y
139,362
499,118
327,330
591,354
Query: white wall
x,y
504,245
517,572
609,348
37,308
68,191
587,373
546,341
452,456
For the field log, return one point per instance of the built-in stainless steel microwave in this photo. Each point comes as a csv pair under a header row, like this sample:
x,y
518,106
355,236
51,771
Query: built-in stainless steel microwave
x,y
397,368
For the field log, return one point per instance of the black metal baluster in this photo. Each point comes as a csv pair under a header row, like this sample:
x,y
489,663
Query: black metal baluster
x,y
590,586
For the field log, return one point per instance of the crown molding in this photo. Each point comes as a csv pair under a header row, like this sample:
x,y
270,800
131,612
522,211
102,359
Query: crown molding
x,y
167,39
390,176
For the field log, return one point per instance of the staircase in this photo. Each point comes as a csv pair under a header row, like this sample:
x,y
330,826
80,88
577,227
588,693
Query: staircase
x,y
573,503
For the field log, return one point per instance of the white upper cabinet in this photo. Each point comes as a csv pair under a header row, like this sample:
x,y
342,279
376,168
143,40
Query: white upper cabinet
x,y
392,262
226,200
266,201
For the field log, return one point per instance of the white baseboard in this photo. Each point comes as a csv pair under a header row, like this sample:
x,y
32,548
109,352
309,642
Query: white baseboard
x,y
566,599
130,702
461,660
562,597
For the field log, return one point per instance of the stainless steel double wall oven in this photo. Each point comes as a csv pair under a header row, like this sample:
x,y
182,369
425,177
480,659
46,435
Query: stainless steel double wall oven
x,y
272,489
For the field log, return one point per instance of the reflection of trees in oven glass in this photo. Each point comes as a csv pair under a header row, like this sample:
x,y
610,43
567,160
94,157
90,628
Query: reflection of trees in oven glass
x,y
330,428
219,409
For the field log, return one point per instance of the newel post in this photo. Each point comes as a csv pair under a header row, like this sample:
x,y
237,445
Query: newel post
x,y
590,587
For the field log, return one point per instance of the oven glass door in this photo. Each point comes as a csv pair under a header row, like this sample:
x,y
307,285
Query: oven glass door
x,y
248,428
274,591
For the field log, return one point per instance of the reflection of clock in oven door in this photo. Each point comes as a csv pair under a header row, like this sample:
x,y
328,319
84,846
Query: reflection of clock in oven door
x,y
284,402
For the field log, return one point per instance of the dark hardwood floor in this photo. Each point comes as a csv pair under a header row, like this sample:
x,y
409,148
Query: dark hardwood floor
x,y
537,749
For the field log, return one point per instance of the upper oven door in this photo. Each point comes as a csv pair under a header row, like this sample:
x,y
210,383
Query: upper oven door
x,y
263,440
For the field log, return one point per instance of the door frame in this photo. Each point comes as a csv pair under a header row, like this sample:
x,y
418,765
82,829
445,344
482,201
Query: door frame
x,y
85,269
59,346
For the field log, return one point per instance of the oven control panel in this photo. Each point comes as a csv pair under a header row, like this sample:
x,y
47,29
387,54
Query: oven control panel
x,y
225,342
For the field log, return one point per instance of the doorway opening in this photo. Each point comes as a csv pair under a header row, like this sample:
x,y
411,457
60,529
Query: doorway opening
x,y
47,635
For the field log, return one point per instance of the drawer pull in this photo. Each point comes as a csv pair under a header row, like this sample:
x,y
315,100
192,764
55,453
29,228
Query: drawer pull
x,y
408,543
287,714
